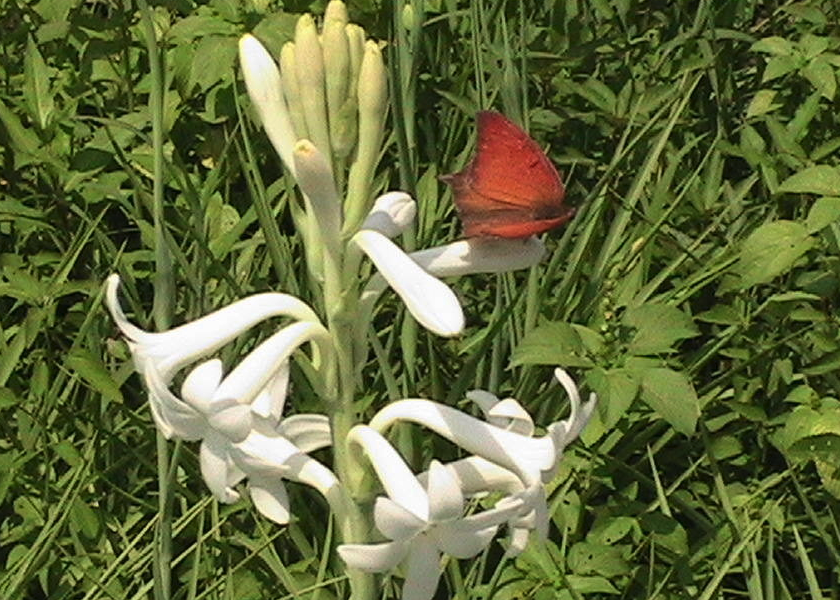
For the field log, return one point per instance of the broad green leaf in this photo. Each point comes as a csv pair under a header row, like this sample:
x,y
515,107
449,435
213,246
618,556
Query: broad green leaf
x,y
779,66
823,213
658,327
822,180
198,26
36,86
771,250
762,103
812,46
670,394
552,343
22,140
214,61
773,45
611,530
598,94
616,389
587,585
821,76
587,558
805,12
666,531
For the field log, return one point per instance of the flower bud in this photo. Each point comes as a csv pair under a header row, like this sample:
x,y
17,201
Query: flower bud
x,y
309,67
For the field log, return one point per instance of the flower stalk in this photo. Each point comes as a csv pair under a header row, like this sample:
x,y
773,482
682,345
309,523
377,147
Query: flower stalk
x,y
324,108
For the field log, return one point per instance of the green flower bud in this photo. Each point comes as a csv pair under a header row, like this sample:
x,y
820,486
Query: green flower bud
x,y
291,90
309,66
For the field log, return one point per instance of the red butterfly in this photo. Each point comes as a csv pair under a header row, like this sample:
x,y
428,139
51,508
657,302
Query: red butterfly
x,y
510,189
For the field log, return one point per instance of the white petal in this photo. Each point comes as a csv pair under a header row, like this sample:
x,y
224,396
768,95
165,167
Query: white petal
x,y
526,456
270,401
309,432
480,255
314,176
234,422
399,482
274,456
391,214
394,521
171,350
270,498
213,458
509,414
201,382
422,570
262,78
485,400
446,501
477,475
518,541
373,558
463,543
262,454
429,300
259,367
174,417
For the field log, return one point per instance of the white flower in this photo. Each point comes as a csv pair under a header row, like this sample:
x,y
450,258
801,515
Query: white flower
x,y
533,459
422,521
269,459
169,351
246,404
262,79
432,303
414,276
225,413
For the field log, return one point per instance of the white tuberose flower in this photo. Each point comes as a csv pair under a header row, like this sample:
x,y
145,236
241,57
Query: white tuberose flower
x,y
533,459
421,521
414,276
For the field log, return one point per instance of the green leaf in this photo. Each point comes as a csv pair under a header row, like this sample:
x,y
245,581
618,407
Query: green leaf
x,y
771,250
657,326
599,559
821,76
95,374
779,66
670,394
552,343
722,314
822,180
823,213
36,86
616,389
773,45
762,103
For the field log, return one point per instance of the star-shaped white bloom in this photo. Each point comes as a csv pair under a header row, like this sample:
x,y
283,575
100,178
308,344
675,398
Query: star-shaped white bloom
x,y
421,520
533,459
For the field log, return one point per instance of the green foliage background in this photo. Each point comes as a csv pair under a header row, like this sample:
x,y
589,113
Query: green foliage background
x,y
695,291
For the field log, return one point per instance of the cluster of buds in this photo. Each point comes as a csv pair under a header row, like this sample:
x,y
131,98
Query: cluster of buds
x,y
323,105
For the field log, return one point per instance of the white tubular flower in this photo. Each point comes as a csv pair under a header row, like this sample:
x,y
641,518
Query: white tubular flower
x,y
169,351
262,78
391,214
422,521
533,459
226,412
480,255
268,459
432,303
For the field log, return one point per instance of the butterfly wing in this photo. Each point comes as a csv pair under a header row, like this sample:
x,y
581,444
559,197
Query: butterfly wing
x,y
510,189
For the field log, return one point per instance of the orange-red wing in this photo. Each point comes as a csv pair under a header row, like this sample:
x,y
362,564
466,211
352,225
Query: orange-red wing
x,y
510,189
